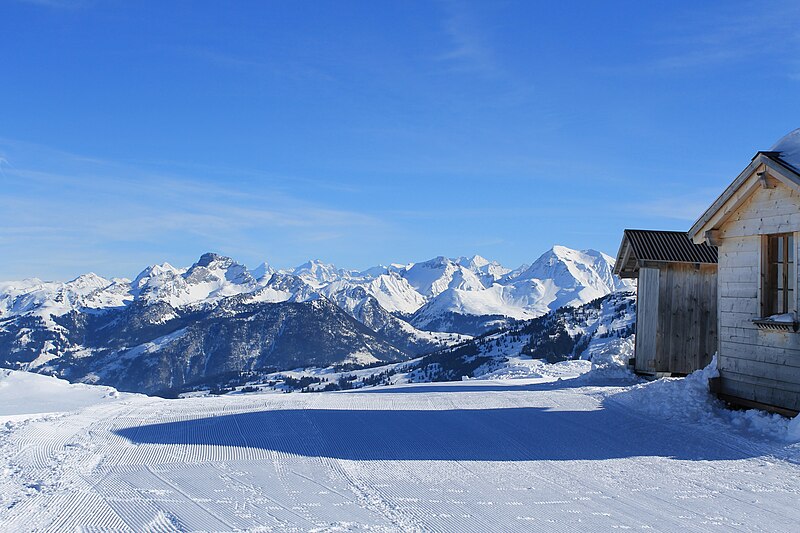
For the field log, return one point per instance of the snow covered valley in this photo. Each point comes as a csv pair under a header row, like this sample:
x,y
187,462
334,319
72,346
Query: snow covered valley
x,y
578,448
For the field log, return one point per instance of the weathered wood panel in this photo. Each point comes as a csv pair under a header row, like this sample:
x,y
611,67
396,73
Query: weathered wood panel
x,y
687,317
676,328
765,394
762,373
739,348
646,319
772,210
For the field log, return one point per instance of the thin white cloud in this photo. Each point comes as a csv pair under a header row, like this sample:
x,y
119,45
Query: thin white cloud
x,y
468,49
309,69
473,48
687,208
723,34
149,205
90,208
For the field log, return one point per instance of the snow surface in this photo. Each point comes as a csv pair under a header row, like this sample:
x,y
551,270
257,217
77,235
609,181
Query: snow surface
x,y
567,449
24,393
789,147
785,318
688,400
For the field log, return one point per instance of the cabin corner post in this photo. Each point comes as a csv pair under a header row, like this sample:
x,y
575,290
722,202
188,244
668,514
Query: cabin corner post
x,y
795,302
718,318
763,269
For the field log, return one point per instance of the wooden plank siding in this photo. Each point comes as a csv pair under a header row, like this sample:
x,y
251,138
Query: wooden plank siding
x,y
676,326
646,319
763,394
687,330
756,365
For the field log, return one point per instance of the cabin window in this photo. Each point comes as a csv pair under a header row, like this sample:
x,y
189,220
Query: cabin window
x,y
779,275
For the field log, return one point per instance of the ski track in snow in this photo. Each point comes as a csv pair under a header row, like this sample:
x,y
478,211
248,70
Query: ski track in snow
x,y
479,455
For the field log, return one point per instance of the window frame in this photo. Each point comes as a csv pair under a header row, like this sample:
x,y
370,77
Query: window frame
x,y
778,274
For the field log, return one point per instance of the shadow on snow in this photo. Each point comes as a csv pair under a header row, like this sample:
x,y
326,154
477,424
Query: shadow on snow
x,y
490,386
507,434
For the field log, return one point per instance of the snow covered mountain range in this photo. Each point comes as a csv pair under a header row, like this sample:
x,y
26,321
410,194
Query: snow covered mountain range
x,y
171,326
600,332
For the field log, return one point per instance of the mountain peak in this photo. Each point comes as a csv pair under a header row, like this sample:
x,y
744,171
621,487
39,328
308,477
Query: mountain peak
x,y
437,262
156,271
374,272
476,261
563,253
580,275
316,273
89,279
561,250
315,264
215,268
210,257
262,270
434,276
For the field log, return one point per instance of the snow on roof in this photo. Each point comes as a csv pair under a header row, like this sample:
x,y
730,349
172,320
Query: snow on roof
x,y
789,148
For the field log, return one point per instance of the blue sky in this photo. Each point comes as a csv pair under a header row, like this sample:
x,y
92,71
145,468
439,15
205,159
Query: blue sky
x,y
373,132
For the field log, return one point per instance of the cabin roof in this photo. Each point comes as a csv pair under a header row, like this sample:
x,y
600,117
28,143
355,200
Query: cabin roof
x,y
640,246
781,162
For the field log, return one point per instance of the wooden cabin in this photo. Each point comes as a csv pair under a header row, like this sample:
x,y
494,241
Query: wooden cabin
x,y
755,225
676,300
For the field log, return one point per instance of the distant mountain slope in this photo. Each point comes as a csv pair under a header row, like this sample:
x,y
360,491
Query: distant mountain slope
x,y
361,305
586,331
389,289
153,348
571,277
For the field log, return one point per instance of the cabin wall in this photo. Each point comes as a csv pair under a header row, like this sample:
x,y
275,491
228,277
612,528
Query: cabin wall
x,y
676,323
756,365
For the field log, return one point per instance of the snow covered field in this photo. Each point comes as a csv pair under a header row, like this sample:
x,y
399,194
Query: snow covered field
x,y
584,454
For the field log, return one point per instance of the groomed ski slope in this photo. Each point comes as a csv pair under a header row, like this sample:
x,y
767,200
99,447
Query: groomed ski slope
x,y
479,455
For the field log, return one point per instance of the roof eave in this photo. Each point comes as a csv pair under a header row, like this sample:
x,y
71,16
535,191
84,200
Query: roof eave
x,y
624,249
723,204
